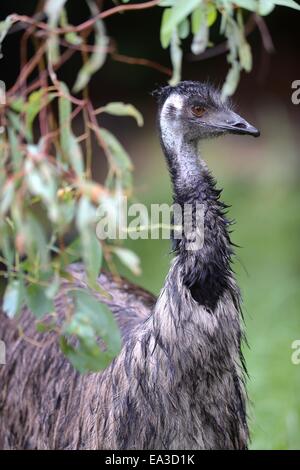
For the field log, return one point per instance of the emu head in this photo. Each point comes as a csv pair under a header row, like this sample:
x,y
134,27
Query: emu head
x,y
196,111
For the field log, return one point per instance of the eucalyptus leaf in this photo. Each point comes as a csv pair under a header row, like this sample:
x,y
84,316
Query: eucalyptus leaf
x,y
36,242
176,59
200,39
4,27
288,3
16,152
13,298
129,259
177,13
165,33
91,320
92,255
86,214
120,158
184,29
211,14
247,4
18,104
18,126
100,317
73,38
245,56
6,197
98,57
53,9
37,100
122,109
197,18
37,300
70,147
232,80
6,244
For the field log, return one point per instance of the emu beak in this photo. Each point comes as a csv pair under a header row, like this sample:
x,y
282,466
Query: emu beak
x,y
235,124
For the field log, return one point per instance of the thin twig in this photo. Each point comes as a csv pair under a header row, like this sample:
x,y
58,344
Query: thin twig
x,y
85,24
265,34
28,69
141,61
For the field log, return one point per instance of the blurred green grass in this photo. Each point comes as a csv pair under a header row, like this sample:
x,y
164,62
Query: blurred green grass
x,y
262,185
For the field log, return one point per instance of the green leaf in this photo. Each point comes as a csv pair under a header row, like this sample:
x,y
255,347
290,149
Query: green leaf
x,y
245,56
247,4
232,80
288,3
98,57
184,29
73,38
75,155
53,287
7,196
4,27
13,298
110,219
120,158
92,255
36,242
18,125
37,100
86,214
6,244
167,3
165,33
87,356
44,327
211,14
90,248
265,7
118,108
200,39
72,252
18,104
16,152
129,259
197,17
170,20
64,110
100,317
91,320
37,300
176,59
70,147
53,9
41,181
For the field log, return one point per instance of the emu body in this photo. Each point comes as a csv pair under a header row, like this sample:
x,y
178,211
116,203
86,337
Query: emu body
x,y
178,380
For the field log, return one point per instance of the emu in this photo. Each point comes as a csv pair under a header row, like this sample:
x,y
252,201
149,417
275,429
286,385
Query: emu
x,y
179,380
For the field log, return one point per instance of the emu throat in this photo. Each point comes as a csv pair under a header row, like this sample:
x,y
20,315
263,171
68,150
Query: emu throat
x,y
206,271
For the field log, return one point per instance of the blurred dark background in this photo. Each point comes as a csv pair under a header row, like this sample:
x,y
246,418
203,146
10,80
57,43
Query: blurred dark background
x,y
260,179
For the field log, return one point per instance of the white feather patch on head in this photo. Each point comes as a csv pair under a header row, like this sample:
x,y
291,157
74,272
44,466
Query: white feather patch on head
x,y
175,101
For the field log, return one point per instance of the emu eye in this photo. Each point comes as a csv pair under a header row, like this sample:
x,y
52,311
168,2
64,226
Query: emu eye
x,y
198,111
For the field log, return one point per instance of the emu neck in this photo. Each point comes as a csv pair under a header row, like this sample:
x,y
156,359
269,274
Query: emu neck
x,y
185,167
206,271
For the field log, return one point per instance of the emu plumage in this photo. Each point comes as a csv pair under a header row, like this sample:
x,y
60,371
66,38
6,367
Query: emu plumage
x,y
178,382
